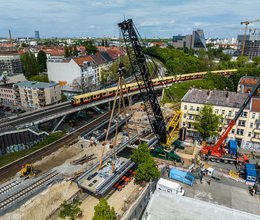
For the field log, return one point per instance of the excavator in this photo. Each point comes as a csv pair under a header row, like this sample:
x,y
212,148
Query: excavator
x,y
165,134
217,152
27,170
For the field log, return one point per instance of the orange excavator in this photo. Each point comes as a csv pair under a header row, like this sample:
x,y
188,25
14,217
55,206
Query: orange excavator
x,y
217,152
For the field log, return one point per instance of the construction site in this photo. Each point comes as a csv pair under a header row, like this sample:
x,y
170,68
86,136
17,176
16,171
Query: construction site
x,y
96,163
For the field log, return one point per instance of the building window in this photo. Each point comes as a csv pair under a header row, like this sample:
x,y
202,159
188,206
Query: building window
x,y
233,131
244,114
190,117
191,108
253,115
184,115
223,112
251,125
183,124
198,109
241,123
185,107
229,113
216,111
249,134
240,131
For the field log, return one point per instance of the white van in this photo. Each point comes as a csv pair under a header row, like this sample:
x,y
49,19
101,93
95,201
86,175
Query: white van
x,y
170,187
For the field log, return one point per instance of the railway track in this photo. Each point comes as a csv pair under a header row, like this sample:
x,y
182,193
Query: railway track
x,y
12,168
6,188
26,190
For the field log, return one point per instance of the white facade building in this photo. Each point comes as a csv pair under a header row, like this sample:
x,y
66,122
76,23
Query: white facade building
x,y
69,72
247,128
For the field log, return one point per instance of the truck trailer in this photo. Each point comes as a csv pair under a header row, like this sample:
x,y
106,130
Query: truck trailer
x,y
184,177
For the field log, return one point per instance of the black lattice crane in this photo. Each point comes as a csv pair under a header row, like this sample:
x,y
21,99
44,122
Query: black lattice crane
x,y
246,23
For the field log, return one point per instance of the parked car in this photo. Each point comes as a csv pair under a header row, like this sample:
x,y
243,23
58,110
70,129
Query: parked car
x,y
7,109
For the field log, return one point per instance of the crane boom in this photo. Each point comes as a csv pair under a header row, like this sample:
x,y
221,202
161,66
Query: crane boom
x,y
233,121
139,66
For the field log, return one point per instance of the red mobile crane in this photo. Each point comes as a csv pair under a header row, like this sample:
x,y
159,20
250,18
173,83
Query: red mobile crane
x,y
217,152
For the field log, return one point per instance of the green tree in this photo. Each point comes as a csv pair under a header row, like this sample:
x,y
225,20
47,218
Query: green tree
x,y
30,64
42,60
40,78
141,154
63,98
66,52
256,60
103,211
90,47
70,210
75,51
147,171
242,61
207,123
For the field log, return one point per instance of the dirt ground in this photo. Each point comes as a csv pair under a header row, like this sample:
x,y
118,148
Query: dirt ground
x,y
120,200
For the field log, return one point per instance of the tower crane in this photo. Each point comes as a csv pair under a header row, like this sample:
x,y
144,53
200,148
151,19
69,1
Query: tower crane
x,y
246,23
166,134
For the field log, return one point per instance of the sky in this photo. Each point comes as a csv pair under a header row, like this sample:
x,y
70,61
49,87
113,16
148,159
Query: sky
x,y
153,18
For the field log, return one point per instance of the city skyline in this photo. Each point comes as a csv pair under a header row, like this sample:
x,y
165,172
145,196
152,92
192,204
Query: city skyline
x,y
154,19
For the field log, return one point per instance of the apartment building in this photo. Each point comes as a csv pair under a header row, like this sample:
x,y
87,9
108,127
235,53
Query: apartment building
x,y
71,72
7,94
10,63
247,83
246,131
30,94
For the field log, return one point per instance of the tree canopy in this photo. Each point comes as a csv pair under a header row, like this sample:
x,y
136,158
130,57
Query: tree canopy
x,y
70,210
111,75
207,123
30,64
141,154
103,211
147,169
42,60
39,78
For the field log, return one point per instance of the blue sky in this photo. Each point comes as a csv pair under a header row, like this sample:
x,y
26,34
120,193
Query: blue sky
x,y
153,18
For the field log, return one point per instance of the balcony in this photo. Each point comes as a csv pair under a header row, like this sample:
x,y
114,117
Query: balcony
x,y
257,130
257,140
41,97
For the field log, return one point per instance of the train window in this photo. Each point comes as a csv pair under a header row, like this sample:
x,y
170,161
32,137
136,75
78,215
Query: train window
x,y
81,99
104,94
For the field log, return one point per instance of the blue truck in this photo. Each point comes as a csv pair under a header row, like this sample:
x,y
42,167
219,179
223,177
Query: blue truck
x,y
250,173
181,176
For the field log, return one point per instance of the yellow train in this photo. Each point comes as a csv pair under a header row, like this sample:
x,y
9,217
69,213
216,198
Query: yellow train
x,y
106,93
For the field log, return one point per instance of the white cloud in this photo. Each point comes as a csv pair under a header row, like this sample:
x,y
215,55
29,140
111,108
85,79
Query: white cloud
x,y
66,17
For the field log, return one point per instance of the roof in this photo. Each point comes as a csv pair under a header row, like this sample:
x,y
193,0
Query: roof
x,y
255,105
39,85
249,80
163,205
98,58
178,172
7,86
251,169
81,60
168,183
106,56
215,97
